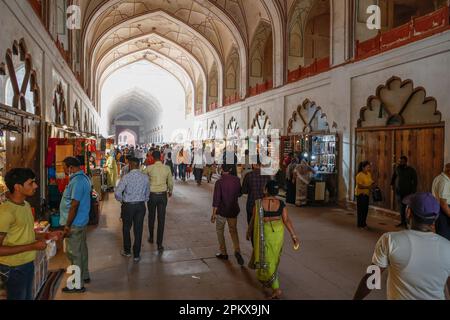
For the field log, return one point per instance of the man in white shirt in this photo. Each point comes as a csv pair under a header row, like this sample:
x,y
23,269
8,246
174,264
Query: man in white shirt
x,y
418,260
441,191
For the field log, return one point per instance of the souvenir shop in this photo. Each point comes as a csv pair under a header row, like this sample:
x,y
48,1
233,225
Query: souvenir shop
x,y
310,138
62,144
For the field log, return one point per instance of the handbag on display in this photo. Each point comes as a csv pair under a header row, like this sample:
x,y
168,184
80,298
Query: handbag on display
x,y
377,195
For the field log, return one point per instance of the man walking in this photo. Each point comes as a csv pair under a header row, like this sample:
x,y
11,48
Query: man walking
x,y
253,185
441,191
225,210
133,192
74,210
161,186
18,241
404,182
418,260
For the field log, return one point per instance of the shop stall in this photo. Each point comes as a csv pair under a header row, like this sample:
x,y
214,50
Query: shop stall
x,y
310,139
58,149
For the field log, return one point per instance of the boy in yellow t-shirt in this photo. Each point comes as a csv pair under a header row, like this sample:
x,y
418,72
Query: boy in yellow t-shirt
x,y
18,241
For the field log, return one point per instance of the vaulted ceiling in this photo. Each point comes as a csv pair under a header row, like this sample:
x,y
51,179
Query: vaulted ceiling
x,y
194,40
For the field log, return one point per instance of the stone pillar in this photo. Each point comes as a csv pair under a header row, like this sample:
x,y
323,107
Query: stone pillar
x,y
341,35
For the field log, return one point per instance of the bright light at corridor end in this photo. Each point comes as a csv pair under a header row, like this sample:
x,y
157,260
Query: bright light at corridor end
x,y
150,80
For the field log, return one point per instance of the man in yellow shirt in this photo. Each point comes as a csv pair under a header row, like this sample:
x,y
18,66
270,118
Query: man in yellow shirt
x,y
161,187
18,241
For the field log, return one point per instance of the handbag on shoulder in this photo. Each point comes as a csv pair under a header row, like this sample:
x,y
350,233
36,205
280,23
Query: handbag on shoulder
x,y
377,195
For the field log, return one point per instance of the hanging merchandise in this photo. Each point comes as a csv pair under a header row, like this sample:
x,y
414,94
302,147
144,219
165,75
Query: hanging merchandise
x,y
320,151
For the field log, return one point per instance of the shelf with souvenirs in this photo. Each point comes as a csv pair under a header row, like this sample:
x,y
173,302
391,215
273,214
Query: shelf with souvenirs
x,y
320,151
58,150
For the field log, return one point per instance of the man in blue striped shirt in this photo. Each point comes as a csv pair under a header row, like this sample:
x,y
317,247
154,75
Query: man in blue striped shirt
x,y
133,192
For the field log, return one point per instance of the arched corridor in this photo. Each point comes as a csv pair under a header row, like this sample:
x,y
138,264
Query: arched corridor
x,y
125,113
188,269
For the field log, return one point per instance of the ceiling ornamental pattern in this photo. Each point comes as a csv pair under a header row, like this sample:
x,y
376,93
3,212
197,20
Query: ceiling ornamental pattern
x,y
207,33
398,103
307,118
22,78
169,56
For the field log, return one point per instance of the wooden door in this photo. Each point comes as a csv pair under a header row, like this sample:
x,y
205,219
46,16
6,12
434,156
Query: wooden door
x,y
425,151
424,148
377,148
31,153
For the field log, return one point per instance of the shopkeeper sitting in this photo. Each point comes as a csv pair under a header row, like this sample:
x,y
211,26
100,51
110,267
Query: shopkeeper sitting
x,y
18,241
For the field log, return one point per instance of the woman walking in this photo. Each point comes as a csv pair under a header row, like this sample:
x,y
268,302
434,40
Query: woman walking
x,y
364,184
270,216
111,171
182,161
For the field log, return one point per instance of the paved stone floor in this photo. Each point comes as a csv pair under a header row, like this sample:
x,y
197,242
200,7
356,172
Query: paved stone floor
x,y
332,260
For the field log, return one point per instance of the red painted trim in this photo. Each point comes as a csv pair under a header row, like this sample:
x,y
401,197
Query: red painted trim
x,y
417,29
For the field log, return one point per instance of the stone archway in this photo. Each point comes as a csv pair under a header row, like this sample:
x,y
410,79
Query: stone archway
x,y
134,131
127,136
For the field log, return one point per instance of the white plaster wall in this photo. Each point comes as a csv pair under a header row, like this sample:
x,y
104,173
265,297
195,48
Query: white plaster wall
x,y
344,90
19,21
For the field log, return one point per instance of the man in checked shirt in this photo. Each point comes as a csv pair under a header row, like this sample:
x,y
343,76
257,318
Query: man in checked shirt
x,y
133,192
253,185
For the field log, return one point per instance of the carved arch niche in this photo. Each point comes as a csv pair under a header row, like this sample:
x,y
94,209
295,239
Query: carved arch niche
x,y
86,122
212,132
398,103
76,117
22,89
308,118
59,105
233,128
261,121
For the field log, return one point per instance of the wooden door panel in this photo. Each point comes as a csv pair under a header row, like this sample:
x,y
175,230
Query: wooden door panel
x,y
376,147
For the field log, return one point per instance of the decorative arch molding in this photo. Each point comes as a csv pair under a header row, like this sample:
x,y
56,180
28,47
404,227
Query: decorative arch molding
x,y
76,117
261,121
86,122
212,132
398,103
195,67
215,14
307,118
59,105
20,50
233,127
200,133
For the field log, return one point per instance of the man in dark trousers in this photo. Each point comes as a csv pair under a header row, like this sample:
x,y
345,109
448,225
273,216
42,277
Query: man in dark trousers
x,y
133,192
225,210
161,185
404,182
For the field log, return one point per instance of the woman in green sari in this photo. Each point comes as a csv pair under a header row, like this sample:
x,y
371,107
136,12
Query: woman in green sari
x,y
270,216
111,170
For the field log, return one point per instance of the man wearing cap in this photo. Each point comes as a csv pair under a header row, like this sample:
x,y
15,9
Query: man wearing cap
x,y
74,211
418,260
441,191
